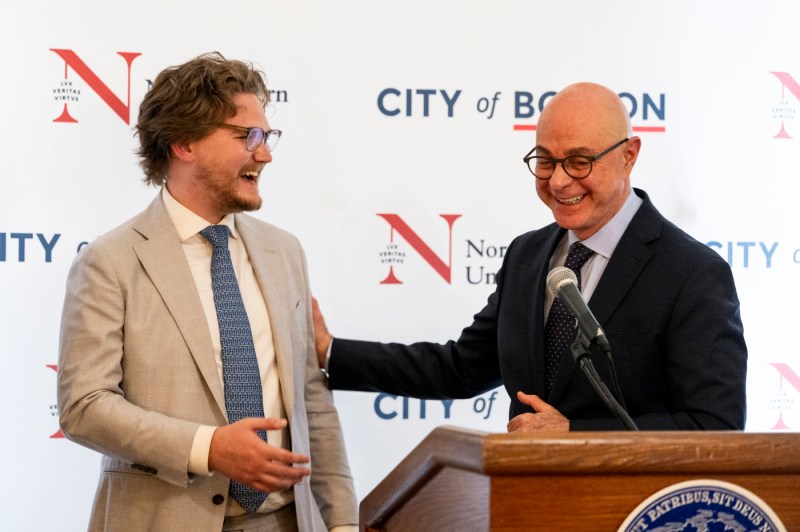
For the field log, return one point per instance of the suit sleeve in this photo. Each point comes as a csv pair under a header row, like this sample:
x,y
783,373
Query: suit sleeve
x,y
457,369
426,370
93,408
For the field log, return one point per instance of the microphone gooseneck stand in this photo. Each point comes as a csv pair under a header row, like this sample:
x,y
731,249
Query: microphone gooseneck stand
x,y
580,352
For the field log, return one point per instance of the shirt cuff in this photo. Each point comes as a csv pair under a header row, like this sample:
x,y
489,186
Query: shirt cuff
x,y
201,446
328,356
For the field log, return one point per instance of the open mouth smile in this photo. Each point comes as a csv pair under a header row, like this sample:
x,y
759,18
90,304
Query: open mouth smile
x,y
251,176
570,201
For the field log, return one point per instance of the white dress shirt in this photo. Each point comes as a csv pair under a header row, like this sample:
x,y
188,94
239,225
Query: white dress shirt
x,y
603,243
198,254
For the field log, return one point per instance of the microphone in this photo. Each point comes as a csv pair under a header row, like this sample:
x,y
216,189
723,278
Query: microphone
x,y
563,284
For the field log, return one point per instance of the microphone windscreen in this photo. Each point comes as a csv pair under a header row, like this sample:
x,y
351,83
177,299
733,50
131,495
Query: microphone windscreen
x,y
558,276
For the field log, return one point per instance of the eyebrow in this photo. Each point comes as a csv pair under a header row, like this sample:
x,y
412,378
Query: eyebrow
x,y
581,150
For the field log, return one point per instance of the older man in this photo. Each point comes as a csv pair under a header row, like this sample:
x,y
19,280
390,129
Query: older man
x,y
667,303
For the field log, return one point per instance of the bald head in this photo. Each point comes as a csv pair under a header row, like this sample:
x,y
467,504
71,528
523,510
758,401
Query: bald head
x,y
587,107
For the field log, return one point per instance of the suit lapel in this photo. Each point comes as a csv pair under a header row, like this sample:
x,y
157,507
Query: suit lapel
x,y
629,259
535,281
271,274
163,259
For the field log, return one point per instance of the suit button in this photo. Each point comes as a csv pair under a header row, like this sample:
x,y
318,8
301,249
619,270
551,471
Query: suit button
x,y
217,499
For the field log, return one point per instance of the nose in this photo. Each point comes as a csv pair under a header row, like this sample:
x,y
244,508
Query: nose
x,y
560,178
262,154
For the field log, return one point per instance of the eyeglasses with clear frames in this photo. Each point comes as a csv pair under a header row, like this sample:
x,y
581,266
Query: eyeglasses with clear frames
x,y
255,136
575,166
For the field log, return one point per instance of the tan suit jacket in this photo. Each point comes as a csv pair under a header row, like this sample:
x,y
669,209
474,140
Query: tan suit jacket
x,y
137,376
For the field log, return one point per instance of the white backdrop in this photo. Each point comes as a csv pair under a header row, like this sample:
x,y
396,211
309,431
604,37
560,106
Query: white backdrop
x,y
710,86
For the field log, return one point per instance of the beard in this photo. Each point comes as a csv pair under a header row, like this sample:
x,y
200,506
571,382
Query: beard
x,y
223,189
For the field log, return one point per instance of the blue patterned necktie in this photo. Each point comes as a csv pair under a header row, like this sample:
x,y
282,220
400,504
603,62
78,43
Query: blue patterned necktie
x,y
559,331
243,397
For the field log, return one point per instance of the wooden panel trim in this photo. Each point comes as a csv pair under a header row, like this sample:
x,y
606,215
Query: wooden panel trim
x,y
641,452
444,447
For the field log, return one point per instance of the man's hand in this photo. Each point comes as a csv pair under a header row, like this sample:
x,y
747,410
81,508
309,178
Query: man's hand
x,y
546,417
323,336
238,453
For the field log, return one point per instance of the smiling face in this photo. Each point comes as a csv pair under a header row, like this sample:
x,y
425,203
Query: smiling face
x,y
218,176
585,119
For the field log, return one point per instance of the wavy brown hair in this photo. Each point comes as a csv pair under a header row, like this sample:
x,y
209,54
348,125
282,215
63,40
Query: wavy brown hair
x,y
185,104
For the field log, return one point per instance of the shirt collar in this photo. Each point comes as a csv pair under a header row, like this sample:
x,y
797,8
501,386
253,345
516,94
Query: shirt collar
x,y
187,223
604,241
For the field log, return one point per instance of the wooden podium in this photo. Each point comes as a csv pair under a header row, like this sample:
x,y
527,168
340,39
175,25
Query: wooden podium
x,y
464,480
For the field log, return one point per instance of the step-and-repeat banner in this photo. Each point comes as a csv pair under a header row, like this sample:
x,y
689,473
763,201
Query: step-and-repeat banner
x,y
401,172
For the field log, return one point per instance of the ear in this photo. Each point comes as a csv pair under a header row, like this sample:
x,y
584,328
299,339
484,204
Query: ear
x,y
182,151
632,152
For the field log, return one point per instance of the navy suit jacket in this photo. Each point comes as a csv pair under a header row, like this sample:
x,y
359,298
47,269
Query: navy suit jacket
x,y
668,306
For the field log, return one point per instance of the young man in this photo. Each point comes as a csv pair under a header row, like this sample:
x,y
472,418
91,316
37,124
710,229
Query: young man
x,y
187,340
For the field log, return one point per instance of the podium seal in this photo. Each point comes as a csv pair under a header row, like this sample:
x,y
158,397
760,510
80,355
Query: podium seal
x,y
702,506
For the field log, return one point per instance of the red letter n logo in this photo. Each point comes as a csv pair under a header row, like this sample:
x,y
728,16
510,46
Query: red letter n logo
x,y
783,402
71,59
783,110
399,226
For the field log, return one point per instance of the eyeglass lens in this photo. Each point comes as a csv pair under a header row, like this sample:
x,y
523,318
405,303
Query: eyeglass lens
x,y
256,136
575,166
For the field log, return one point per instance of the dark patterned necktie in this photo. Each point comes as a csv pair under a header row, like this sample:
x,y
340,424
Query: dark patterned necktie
x,y
242,380
559,331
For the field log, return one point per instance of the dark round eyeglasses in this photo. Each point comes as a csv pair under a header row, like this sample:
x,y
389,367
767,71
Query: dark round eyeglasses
x,y
575,166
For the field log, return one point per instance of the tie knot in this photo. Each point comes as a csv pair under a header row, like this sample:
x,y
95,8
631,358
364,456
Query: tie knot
x,y
577,257
217,235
